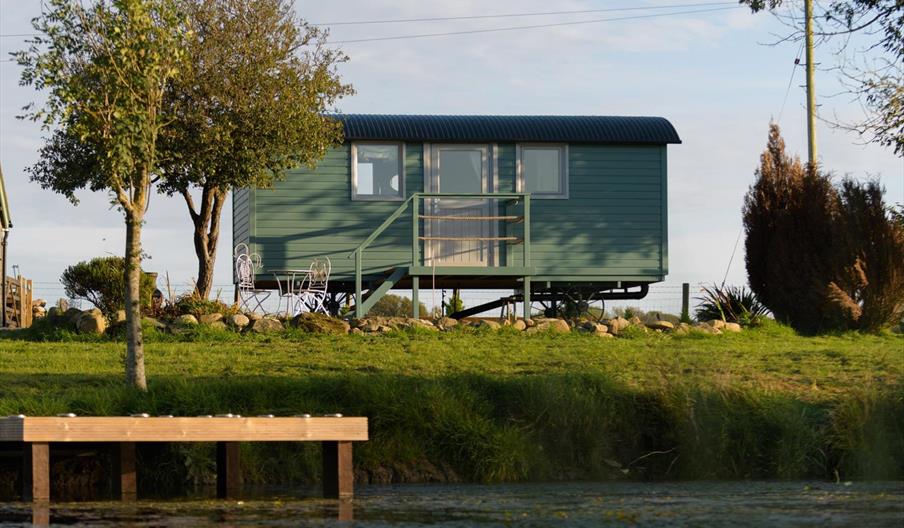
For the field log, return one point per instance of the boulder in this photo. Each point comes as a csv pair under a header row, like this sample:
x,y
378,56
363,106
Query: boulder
x,y
185,320
71,314
254,316
519,325
718,324
119,316
422,324
62,305
210,318
682,329
91,322
592,327
239,320
706,328
356,331
266,325
218,325
446,323
635,321
661,325
553,325
484,323
154,323
320,324
605,335
53,312
39,302
618,324
731,327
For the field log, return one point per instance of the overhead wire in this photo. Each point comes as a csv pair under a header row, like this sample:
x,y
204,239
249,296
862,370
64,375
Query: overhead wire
x,y
790,82
515,15
533,26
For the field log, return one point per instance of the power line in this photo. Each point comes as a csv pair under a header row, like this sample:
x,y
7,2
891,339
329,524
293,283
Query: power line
x,y
536,26
514,15
790,82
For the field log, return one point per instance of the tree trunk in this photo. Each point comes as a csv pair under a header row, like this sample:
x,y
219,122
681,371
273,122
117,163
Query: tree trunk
x,y
206,234
134,339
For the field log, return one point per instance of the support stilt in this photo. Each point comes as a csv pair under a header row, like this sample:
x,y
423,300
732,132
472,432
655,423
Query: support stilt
x,y
338,472
229,471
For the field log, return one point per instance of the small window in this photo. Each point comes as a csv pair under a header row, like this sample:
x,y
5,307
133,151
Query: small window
x,y
377,172
542,170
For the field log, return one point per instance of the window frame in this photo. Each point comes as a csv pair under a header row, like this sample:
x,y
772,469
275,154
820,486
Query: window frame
x,y
563,169
371,197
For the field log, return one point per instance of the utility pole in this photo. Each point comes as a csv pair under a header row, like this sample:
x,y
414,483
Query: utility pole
x,y
811,91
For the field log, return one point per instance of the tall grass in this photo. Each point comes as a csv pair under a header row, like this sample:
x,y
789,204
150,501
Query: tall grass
x,y
505,407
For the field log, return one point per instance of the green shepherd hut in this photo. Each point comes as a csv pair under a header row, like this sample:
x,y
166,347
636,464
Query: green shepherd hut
x,y
557,209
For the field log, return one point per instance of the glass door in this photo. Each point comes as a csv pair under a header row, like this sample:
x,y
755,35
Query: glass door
x,y
454,228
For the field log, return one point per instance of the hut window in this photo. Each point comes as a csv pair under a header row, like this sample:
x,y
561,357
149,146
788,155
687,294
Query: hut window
x,y
377,171
543,170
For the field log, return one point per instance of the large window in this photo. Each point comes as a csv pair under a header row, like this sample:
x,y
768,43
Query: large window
x,y
377,171
542,170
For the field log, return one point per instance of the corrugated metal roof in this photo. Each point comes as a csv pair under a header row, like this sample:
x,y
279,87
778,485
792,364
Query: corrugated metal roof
x,y
499,128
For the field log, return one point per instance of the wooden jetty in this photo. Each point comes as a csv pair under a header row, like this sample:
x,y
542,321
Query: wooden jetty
x,y
37,435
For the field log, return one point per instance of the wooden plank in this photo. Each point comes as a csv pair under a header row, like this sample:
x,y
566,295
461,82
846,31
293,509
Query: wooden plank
x,y
338,470
36,472
200,429
125,481
229,470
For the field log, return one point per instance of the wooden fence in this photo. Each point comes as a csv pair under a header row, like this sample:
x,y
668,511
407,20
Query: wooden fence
x,y
18,302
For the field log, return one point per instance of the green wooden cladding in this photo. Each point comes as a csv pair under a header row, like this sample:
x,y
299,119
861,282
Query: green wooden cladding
x,y
612,227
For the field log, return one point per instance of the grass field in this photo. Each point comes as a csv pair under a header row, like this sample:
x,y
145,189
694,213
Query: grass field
x,y
482,406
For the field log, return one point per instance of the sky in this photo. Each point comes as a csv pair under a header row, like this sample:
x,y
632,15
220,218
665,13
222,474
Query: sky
x,y
713,74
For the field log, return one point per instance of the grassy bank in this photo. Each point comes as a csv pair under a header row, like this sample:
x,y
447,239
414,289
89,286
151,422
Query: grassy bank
x,y
501,407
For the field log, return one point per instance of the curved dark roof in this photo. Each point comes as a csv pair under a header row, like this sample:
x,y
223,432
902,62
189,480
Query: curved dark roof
x,y
546,128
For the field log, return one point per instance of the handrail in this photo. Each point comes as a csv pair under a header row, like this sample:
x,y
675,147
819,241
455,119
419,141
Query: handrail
x,y
415,198
386,223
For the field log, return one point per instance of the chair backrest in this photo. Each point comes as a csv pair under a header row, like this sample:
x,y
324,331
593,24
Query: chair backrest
x,y
245,264
319,274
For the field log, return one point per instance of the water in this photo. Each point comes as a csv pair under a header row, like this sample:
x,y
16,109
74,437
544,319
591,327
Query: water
x,y
778,504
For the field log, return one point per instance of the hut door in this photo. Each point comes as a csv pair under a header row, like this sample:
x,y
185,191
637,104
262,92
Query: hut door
x,y
454,228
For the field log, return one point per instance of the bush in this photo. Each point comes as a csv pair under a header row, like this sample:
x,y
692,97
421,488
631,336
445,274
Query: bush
x,y
454,305
191,303
821,258
395,306
101,281
731,304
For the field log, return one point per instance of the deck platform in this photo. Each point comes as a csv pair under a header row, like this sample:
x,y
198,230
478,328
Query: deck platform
x,y
38,434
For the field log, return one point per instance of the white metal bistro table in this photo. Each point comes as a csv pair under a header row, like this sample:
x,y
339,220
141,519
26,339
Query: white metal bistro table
x,y
288,281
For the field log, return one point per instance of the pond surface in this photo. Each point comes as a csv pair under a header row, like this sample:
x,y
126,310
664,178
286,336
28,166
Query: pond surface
x,y
778,504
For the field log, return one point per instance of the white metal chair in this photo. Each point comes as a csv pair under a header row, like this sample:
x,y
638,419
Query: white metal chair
x,y
313,288
250,297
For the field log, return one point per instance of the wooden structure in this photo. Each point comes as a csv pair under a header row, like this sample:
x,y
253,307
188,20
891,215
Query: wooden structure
x,y
542,205
18,302
38,435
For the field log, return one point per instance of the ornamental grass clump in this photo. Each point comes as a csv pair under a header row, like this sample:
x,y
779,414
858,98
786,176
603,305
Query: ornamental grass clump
x,y
731,304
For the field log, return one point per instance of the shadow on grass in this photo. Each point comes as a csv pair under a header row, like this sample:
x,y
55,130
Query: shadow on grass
x,y
493,429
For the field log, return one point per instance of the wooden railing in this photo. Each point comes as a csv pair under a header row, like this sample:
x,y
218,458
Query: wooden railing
x,y
418,266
